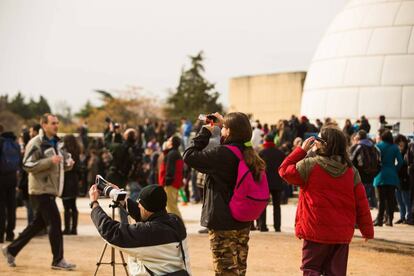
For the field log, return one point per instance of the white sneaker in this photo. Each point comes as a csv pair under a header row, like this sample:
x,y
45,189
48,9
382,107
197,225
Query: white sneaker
x,y
9,257
63,265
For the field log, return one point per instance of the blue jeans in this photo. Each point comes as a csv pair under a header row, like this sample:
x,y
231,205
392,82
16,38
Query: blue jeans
x,y
370,192
404,201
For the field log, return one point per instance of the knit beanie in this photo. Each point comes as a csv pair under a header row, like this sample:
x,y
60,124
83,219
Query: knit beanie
x,y
153,198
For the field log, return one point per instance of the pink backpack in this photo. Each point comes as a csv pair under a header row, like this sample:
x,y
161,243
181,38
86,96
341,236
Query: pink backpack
x,y
249,198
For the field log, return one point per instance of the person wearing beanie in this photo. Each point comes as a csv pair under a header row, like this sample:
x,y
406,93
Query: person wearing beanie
x,y
156,243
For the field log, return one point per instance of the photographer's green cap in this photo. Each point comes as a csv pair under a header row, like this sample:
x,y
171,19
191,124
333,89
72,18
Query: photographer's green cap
x,y
153,198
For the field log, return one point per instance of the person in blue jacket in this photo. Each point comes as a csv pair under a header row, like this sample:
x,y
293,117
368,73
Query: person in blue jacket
x,y
387,179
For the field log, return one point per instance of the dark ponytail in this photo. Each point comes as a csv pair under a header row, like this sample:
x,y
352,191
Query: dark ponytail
x,y
254,162
241,132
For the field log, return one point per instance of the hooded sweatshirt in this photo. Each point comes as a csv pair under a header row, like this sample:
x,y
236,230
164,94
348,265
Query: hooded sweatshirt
x,y
332,198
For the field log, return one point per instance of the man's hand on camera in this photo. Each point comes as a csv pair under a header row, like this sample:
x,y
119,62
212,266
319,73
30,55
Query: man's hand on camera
x,y
93,193
123,202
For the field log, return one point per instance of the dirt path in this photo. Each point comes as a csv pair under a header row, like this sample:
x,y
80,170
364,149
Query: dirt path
x,y
270,254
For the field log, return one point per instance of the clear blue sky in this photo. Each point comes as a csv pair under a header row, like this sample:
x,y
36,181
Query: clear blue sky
x,y
65,49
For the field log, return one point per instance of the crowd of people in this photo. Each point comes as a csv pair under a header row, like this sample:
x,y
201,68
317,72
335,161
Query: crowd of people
x,y
191,164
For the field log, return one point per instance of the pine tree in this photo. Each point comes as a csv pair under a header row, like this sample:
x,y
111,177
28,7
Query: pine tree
x,y
86,110
18,106
194,94
40,107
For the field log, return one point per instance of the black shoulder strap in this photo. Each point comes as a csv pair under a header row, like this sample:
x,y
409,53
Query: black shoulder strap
x,y
179,240
180,244
149,271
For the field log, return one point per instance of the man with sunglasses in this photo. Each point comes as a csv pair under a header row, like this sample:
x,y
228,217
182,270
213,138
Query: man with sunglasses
x,y
156,243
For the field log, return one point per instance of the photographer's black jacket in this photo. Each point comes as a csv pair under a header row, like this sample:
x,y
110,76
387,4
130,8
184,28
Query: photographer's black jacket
x,y
152,244
220,166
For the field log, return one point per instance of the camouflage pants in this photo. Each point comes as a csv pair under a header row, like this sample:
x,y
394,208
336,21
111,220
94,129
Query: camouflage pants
x,y
229,250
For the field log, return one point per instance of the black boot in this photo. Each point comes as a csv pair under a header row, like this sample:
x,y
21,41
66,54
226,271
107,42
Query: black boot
x,y
67,223
378,222
74,230
389,221
400,221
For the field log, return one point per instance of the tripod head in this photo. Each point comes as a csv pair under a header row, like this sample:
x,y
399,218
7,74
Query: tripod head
x,y
115,204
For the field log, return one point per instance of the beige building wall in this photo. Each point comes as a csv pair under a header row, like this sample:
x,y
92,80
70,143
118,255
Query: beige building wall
x,y
267,97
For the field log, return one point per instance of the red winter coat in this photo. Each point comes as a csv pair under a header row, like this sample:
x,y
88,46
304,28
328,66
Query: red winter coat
x,y
171,169
332,199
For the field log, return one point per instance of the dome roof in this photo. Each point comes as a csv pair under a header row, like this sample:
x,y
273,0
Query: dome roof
x,y
364,65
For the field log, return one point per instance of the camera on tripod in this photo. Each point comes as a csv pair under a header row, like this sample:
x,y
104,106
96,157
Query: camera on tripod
x,y
108,191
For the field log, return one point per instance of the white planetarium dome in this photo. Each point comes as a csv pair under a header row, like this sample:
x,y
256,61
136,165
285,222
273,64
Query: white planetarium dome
x,y
364,65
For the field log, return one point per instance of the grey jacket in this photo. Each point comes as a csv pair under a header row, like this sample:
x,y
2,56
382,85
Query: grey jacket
x,y
45,177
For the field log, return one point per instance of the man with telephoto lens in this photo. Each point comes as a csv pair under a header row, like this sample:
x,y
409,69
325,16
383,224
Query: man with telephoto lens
x,y
156,243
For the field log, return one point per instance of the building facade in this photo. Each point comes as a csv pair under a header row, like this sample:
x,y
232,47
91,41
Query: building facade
x,y
269,97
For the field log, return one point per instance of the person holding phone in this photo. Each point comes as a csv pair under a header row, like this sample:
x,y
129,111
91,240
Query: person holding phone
x,y
332,199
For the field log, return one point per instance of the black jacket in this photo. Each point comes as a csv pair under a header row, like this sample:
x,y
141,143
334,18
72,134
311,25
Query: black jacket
x,y
3,137
273,158
71,182
220,166
124,158
410,164
153,244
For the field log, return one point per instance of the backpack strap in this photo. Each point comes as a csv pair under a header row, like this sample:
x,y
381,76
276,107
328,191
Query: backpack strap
x,y
180,272
236,151
180,242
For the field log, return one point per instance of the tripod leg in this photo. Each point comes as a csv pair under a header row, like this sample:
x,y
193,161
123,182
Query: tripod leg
x,y
113,249
100,259
123,262
113,260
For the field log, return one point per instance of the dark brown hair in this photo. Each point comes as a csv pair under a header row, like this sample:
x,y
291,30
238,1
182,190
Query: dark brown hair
x,y
336,144
386,136
72,146
401,139
241,132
